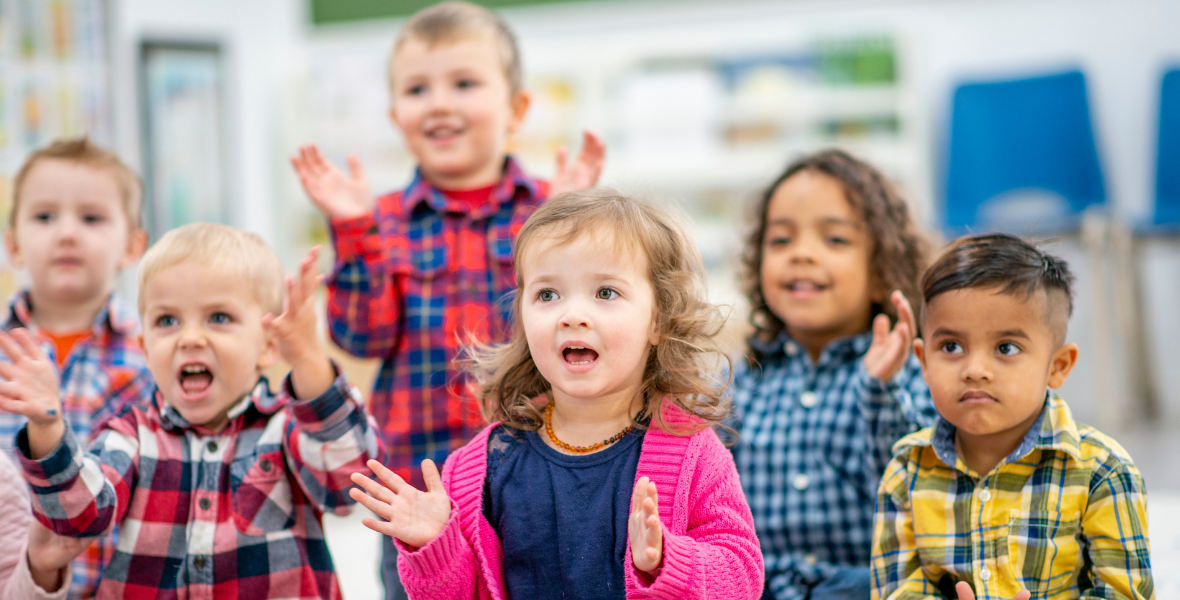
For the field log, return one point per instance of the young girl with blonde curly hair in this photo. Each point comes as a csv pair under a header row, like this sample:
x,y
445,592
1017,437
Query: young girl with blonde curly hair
x,y
601,475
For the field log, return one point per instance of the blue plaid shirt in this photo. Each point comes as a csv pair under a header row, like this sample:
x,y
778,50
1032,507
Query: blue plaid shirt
x,y
814,440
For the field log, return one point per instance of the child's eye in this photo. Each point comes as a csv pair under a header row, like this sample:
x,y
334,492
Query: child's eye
x,y
607,294
781,240
838,241
464,84
416,90
165,321
547,295
93,219
1008,349
951,347
220,318
43,217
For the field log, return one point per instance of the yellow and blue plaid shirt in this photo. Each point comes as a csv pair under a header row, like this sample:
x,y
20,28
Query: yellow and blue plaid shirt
x,y
1063,516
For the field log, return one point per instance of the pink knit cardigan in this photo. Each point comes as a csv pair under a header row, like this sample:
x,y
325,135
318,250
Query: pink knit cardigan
x,y
710,549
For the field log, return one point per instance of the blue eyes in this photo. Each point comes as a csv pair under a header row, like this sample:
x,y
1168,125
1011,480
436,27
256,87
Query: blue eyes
x,y
48,217
166,321
548,295
169,321
220,318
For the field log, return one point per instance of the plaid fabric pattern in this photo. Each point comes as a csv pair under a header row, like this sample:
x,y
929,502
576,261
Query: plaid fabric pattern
x,y
813,440
413,282
232,514
1063,516
100,374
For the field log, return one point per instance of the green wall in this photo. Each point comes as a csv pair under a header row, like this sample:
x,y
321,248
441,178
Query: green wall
x,y
339,11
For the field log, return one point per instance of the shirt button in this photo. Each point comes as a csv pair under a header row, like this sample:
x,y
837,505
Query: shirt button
x,y
791,348
265,465
808,399
984,496
985,574
199,563
204,503
801,481
810,559
212,447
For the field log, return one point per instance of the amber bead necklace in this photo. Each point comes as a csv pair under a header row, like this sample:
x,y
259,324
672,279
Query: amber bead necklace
x,y
580,449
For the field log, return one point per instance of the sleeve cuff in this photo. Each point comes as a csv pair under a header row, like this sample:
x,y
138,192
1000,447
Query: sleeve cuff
x,y
356,238
327,416
54,469
676,572
439,555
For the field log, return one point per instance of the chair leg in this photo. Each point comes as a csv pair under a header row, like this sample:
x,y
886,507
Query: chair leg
x,y
1094,239
1132,329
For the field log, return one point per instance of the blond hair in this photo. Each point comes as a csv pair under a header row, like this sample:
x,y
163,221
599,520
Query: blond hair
x,y
83,152
450,22
681,368
221,247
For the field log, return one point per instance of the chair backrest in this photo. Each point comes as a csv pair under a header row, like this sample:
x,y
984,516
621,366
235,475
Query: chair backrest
x,y
1021,156
1167,166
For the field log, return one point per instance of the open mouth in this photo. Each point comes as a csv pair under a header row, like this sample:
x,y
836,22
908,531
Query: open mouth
x,y
579,355
195,378
443,133
805,285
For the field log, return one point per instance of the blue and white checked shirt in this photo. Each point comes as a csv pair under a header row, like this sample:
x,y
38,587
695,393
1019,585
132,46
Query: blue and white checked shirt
x,y
814,440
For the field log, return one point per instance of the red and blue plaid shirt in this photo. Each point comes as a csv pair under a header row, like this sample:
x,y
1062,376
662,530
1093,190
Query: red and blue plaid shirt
x,y
231,514
101,373
413,282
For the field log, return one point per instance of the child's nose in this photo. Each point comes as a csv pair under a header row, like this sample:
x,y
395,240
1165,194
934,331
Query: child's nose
x,y
977,369
191,337
575,316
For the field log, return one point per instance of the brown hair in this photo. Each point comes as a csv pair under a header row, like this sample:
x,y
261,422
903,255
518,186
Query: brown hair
x,y
898,254
449,22
84,152
1016,267
681,368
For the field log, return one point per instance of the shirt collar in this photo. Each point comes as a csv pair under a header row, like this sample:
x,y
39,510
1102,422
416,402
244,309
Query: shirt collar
x,y
1054,429
846,348
422,191
114,315
259,398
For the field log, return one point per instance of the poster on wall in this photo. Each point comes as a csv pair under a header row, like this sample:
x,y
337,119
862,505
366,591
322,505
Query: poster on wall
x,y
181,89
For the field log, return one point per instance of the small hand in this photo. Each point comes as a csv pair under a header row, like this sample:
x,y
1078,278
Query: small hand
x,y
49,553
412,516
337,195
644,529
295,332
31,384
963,589
582,173
890,349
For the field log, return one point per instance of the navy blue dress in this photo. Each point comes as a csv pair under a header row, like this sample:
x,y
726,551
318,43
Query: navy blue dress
x,y
562,520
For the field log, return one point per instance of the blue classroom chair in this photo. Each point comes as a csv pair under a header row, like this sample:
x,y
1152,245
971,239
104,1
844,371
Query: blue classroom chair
x,y
1167,167
1021,156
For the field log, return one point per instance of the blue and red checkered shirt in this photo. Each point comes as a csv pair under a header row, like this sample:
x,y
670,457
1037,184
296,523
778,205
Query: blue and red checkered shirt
x,y
101,373
415,281
229,514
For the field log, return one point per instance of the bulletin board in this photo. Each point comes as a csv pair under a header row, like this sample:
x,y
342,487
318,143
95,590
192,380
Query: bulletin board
x,y
324,12
54,82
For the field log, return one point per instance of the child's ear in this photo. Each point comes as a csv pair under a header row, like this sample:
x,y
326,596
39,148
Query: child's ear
x,y
393,117
137,241
1063,362
920,352
519,105
14,257
270,353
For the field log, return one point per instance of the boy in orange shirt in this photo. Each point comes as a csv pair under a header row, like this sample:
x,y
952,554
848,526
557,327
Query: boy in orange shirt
x,y
74,224
421,270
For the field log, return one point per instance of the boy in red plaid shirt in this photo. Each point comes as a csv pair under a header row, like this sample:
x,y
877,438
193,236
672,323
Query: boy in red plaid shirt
x,y
219,484
421,271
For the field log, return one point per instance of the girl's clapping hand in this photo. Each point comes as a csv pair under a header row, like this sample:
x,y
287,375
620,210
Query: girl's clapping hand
x,y
644,529
412,516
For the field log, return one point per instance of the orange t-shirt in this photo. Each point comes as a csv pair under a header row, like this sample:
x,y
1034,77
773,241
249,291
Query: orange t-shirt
x,y
64,343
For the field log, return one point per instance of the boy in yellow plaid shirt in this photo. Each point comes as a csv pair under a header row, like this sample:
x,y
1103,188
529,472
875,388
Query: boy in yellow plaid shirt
x,y
1006,497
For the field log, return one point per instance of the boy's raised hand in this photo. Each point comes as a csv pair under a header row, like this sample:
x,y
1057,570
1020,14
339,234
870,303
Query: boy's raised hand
x,y
411,515
963,589
582,173
337,195
890,349
295,332
644,529
31,387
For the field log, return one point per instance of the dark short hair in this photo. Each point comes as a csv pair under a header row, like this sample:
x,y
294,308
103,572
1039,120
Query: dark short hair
x,y
996,260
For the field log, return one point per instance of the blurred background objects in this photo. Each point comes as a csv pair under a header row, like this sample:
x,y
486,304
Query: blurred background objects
x,y
1059,119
